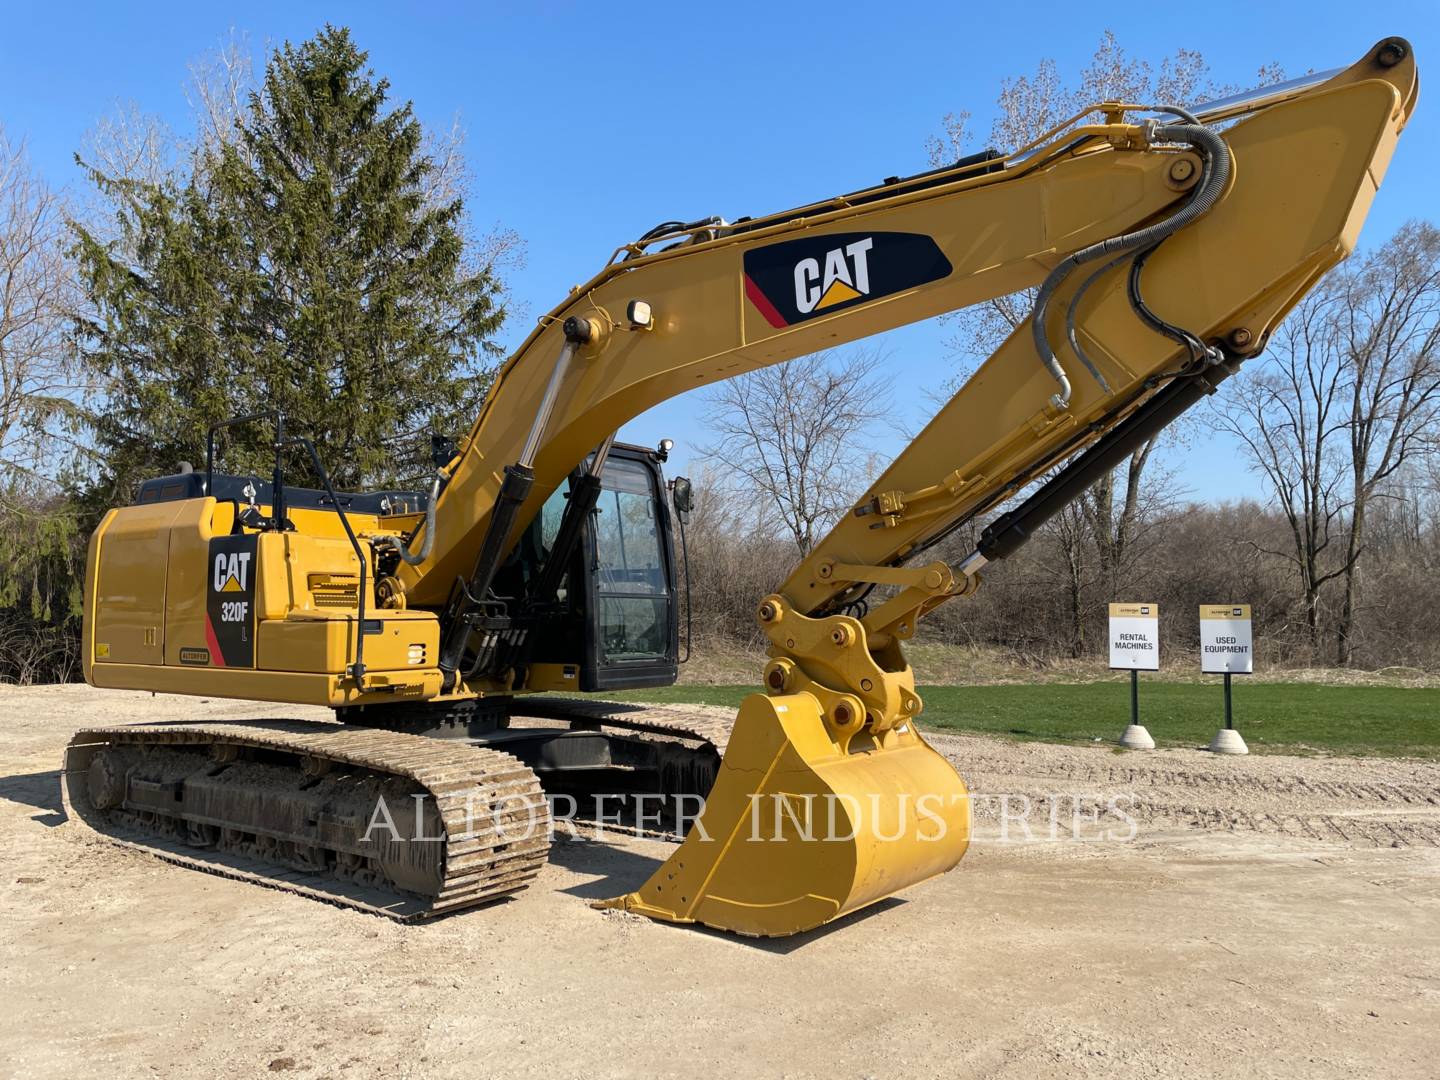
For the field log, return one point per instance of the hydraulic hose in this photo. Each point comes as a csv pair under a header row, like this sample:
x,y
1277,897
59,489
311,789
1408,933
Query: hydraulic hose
x,y
415,558
1198,351
1206,195
1074,306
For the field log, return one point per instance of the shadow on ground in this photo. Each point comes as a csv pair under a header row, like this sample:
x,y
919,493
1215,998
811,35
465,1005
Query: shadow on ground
x,y
40,790
617,871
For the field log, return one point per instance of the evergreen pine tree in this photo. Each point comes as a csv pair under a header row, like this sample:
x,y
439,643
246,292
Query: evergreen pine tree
x,y
298,267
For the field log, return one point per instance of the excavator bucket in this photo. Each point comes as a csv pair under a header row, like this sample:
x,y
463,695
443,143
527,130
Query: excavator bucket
x,y
800,829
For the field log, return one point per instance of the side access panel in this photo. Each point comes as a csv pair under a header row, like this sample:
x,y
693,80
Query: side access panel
x,y
125,607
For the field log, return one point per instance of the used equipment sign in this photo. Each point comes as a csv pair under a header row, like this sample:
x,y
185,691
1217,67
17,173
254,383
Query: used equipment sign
x,y
1135,637
1226,645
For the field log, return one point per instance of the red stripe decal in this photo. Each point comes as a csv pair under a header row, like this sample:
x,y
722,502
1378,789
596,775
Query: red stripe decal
x,y
217,658
761,301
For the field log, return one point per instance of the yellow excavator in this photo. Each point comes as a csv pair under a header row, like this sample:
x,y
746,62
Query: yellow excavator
x,y
450,630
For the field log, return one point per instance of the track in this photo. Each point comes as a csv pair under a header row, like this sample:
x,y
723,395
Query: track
x,y
704,723
688,740
293,805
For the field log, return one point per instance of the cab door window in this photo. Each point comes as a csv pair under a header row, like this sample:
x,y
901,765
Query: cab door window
x,y
631,580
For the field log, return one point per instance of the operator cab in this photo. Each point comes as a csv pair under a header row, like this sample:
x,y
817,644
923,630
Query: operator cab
x,y
615,624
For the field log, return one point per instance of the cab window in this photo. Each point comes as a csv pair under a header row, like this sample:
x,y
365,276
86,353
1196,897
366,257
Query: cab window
x,y
631,582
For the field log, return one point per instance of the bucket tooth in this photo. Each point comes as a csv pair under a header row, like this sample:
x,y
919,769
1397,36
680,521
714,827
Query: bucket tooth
x,y
801,828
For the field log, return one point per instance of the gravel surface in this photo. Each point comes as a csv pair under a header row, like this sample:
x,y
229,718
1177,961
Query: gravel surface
x,y
1373,802
1169,914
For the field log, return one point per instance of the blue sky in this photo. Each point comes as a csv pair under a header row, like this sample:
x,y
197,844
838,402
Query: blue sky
x,y
590,123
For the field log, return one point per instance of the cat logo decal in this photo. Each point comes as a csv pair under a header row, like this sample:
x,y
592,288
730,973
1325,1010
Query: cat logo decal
x,y
797,280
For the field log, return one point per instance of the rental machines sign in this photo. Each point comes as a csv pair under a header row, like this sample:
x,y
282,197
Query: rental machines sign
x,y
1135,637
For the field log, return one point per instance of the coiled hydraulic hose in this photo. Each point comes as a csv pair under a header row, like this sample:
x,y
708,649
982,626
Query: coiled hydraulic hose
x,y
415,558
1207,194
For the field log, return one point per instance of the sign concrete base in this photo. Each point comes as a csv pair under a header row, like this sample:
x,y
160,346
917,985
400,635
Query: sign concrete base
x,y
1137,738
1228,741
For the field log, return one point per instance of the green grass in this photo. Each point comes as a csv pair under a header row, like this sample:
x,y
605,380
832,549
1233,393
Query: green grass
x,y
1274,717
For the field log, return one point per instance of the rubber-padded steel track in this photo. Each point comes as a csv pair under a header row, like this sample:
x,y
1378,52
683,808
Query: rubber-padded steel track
x,y
705,723
495,820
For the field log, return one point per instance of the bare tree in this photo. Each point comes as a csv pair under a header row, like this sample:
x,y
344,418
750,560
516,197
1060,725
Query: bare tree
x,y
1031,105
139,150
1122,514
221,82
795,433
130,144
37,652
1288,415
736,554
1098,549
1389,322
1348,395
39,379
1067,529
41,390
492,248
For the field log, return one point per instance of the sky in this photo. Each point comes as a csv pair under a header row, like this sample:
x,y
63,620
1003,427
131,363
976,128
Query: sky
x,y
590,123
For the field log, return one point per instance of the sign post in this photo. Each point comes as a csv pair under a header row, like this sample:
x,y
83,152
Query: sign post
x,y
1226,648
1135,647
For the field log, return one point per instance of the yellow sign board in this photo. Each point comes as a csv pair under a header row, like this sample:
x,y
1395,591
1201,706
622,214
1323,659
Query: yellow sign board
x,y
1224,611
1136,611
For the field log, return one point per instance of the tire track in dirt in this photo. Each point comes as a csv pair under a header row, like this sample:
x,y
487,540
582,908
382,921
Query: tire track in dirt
x,y
1272,784
1352,802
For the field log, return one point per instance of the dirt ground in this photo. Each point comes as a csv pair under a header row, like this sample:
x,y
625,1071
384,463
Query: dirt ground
x,y
1271,916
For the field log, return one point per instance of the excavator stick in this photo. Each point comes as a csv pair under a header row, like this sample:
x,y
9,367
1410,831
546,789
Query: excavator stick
x,y
800,829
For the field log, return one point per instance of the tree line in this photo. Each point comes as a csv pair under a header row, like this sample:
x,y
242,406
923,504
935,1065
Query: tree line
x,y
1048,603
309,246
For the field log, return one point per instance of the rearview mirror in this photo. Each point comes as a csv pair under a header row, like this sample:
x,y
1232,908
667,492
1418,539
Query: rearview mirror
x,y
681,494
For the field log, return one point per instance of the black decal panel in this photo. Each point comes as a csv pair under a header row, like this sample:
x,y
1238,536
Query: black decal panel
x,y
230,601
797,280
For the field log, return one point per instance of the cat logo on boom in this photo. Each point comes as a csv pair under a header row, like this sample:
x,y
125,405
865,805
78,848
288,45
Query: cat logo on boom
x,y
797,280
846,276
